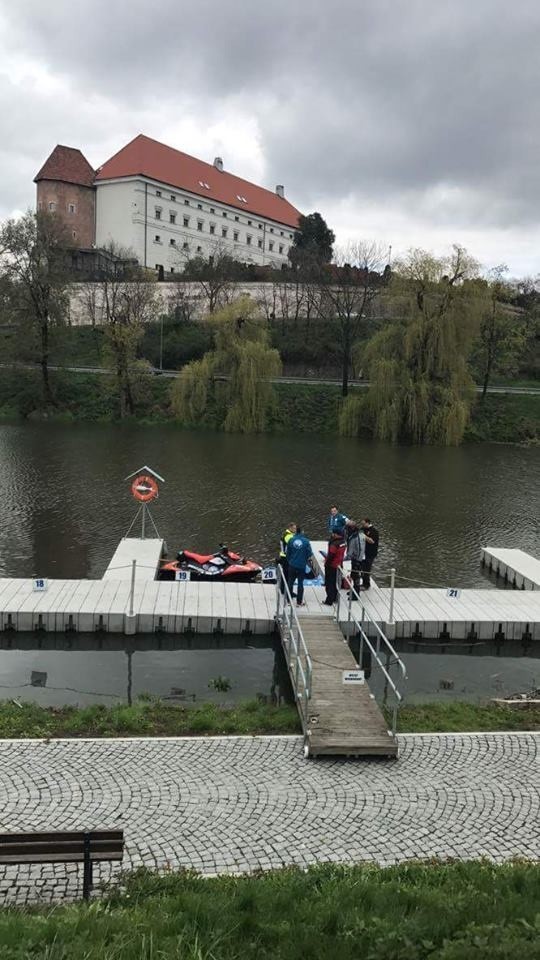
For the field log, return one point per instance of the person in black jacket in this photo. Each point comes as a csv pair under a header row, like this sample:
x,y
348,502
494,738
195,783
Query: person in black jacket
x,y
372,548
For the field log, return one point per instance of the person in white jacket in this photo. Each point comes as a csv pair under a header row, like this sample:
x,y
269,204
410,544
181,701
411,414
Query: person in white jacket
x,y
356,553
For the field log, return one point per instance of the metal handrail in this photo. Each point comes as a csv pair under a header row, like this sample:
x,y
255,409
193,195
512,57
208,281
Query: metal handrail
x,y
375,650
294,646
367,616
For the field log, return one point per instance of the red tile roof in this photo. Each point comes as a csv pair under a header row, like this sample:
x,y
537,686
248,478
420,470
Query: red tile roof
x,y
68,165
149,158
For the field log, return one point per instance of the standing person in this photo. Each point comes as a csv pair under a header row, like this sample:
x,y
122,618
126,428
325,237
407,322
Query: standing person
x,y
372,548
299,554
334,560
282,559
356,547
337,521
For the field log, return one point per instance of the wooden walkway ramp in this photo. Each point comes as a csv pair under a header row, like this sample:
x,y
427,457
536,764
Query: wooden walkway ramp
x,y
341,718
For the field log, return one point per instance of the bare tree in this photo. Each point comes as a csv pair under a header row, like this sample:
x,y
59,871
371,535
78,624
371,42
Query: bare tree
x,y
267,298
348,286
182,303
214,274
123,301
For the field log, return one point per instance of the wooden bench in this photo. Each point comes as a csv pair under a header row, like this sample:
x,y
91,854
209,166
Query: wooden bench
x,y
78,846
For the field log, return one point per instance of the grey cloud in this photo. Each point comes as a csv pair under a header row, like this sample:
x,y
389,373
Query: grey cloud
x,y
365,99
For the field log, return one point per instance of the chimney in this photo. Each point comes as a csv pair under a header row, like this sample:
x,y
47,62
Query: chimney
x,y
218,163
280,190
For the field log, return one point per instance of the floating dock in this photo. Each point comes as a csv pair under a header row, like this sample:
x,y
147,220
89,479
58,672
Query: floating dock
x,y
135,557
130,600
515,566
339,715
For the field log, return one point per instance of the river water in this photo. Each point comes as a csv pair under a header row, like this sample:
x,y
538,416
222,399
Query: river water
x,y
65,505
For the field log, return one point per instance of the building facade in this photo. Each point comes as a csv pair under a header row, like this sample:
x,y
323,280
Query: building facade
x,y
65,186
167,207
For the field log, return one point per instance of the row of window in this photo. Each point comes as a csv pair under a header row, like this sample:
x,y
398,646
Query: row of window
x,y
224,234
212,210
53,206
224,231
159,266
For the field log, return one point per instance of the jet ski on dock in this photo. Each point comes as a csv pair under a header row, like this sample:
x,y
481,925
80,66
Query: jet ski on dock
x,y
225,565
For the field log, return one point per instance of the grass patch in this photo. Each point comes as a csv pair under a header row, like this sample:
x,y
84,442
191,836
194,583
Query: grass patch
x,y
297,407
144,718
460,717
151,717
506,418
452,911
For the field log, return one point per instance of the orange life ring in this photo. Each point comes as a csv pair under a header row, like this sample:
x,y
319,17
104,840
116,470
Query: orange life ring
x,y
144,488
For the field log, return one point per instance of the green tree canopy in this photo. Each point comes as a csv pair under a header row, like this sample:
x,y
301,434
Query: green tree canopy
x,y
230,385
421,390
502,335
313,241
33,264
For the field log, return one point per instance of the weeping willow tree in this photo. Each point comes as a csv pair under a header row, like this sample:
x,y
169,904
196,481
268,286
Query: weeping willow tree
x,y
230,387
421,390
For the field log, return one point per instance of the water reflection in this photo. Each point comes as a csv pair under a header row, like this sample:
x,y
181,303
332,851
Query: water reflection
x,y
458,671
55,669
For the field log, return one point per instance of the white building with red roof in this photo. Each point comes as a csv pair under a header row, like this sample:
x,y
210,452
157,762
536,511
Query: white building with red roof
x,y
166,206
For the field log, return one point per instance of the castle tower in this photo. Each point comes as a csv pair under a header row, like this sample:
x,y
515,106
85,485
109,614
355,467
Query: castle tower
x,y
65,186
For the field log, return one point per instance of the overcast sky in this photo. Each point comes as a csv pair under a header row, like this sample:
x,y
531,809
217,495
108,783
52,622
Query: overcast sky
x,y
409,122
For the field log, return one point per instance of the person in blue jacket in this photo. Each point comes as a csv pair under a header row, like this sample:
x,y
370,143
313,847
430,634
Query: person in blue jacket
x,y
299,554
337,522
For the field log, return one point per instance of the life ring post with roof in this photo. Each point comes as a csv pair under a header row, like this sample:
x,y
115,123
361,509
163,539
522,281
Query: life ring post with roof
x,y
144,489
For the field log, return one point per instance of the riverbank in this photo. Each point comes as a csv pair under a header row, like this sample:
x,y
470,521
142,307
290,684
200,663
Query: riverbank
x,y
154,718
448,911
298,408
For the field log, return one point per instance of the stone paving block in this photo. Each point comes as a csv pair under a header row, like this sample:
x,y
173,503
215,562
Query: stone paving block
x,y
233,805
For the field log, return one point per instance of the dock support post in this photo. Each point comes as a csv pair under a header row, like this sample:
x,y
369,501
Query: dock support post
x,y
390,624
130,619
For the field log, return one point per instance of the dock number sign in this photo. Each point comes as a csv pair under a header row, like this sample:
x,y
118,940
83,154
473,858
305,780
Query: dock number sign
x,y
453,592
39,584
182,576
353,676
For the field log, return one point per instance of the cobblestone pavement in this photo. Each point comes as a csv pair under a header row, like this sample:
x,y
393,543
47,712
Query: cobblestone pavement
x,y
238,804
